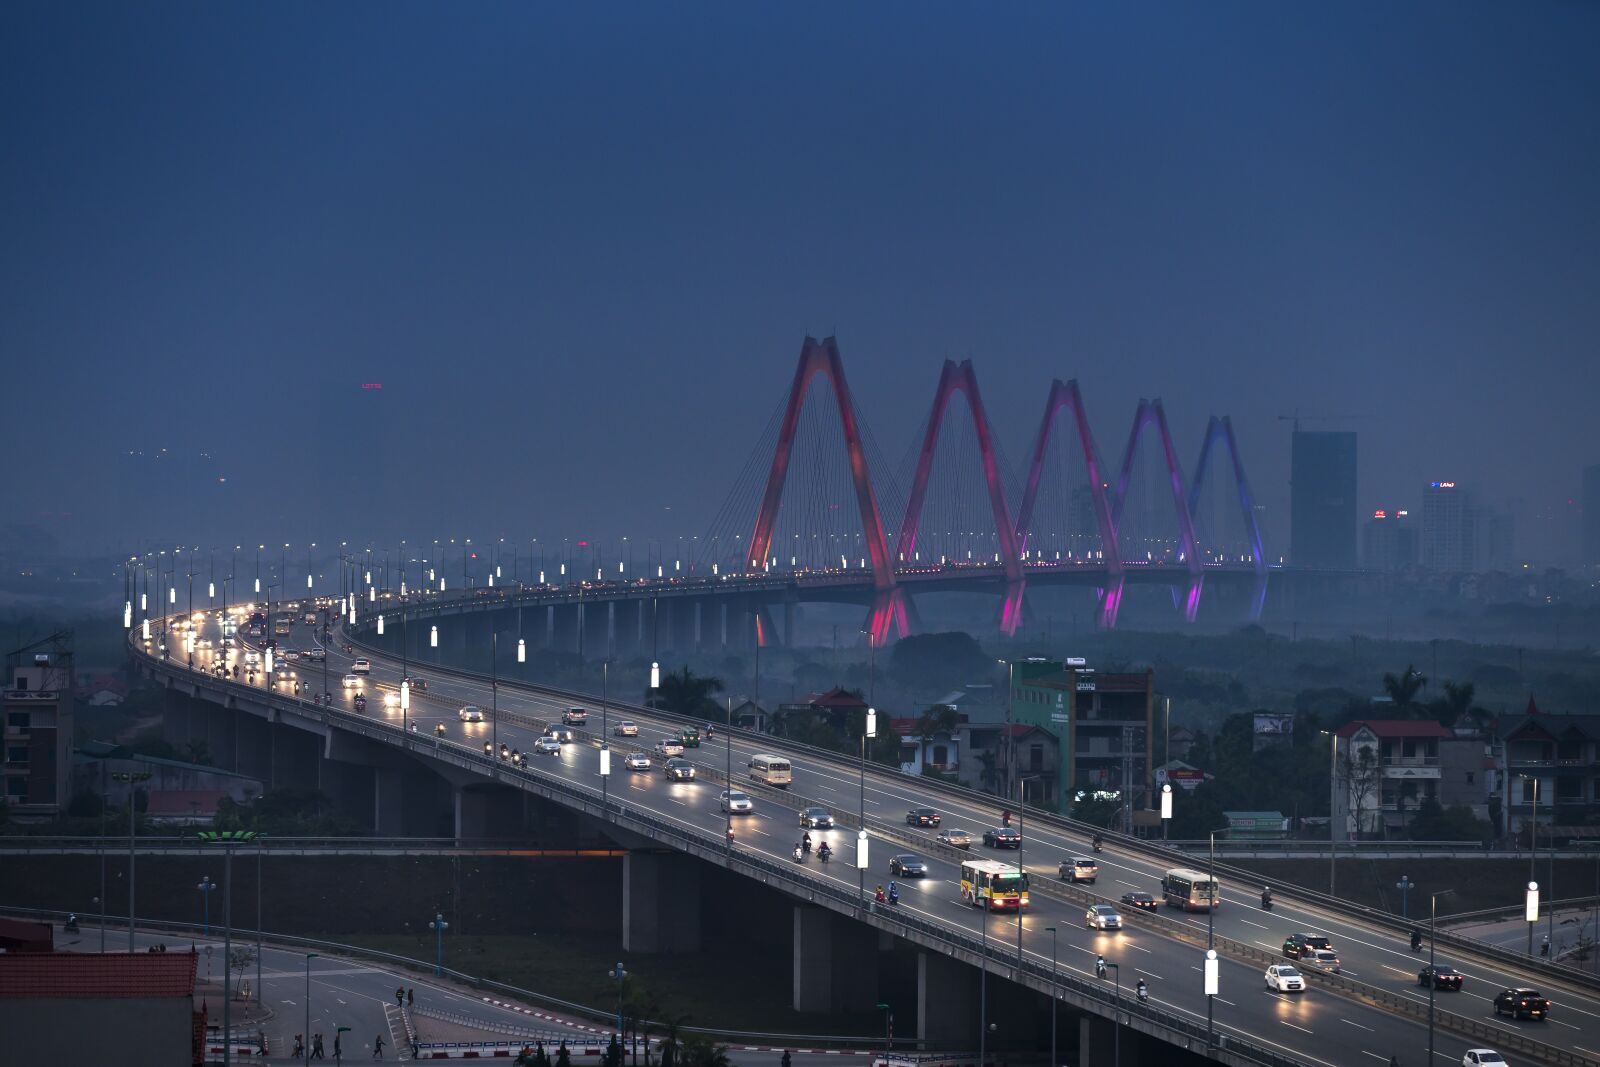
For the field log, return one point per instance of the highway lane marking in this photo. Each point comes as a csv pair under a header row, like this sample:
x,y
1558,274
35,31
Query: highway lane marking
x,y
1258,926
1302,1029
1375,1056
1350,1022
1139,948
1124,881
1152,974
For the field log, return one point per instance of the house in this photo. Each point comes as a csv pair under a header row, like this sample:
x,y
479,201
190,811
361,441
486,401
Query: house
x,y
748,715
1553,760
108,1008
1387,768
930,740
842,709
17,935
1180,741
1099,724
98,761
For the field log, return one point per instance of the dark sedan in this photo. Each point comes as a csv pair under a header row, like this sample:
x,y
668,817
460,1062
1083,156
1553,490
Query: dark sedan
x,y
922,817
1002,837
1139,900
907,866
1442,977
816,819
1520,1002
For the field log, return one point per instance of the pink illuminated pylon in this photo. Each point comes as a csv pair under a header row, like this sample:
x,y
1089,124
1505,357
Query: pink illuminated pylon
x,y
1150,413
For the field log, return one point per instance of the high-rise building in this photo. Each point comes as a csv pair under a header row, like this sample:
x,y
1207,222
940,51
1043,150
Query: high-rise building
x,y
1322,500
36,757
1590,543
1449,529
1389,542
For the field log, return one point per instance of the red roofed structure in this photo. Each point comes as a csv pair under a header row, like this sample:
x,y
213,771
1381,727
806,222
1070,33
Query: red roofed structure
x,y
1392,729
108,1004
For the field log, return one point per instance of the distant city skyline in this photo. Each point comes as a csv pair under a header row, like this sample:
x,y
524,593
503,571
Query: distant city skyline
x,y
579,250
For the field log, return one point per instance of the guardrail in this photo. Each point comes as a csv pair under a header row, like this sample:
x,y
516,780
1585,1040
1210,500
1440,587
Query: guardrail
x,y
1170,1027
1547,969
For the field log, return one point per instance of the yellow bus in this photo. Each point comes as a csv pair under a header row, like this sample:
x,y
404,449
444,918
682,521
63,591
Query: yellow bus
x,y
994,885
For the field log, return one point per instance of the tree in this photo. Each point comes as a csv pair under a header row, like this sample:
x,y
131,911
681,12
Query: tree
x,y
686,694
239,960
1456,823
1360,772
699,1051
942,662
937,719
1403,689
563,1057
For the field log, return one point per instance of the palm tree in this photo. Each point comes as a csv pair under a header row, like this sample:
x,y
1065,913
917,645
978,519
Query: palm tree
x,y
1403,689
686,694
701,1051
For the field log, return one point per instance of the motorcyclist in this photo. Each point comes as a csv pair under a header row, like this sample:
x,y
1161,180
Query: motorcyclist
x,y
894,892
799,853
824,853
882,898
805,841
1099,841
439,729
515,756
1005,818
1266,896
1416,941
1544,946
1141,990
1100,966
488,748
711,731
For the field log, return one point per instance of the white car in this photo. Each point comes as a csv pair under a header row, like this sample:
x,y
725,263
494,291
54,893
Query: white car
x,y
636,761
668,746
1102,917
736,803
470,713
548,745
1482,1057
1323,959
575,716
626,728
1283,978
351,681
361,666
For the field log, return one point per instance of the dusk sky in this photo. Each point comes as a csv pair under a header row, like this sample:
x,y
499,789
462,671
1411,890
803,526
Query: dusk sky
x,y
579,247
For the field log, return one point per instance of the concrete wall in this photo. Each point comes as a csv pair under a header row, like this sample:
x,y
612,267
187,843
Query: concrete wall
x,y
153,1031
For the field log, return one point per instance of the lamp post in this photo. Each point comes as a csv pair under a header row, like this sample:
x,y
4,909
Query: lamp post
x,y
983,987
1211,940
307,1037
888,1027
494,688
1116,1016
621,975
1166,808
206,886
870,729
1055,995
1022,804
1433,916
1405,885
438,926
605,746
1333,806
228,839
133,778
1531,912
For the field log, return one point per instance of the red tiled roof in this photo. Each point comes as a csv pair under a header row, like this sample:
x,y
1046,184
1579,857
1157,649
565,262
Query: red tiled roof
x,y
91,976
1396,728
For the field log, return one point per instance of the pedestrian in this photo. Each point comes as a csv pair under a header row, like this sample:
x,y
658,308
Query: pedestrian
x,y
785,1058
411,997
299,1045
338,1052
377,1047
316,1047
399,996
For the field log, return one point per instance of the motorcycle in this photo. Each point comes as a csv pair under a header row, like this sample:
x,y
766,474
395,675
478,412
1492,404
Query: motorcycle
x,y
799,856
1416,941
1142,992
439,730
824,853
361,702
881,898
1098,846
1266,901
894,895
71,926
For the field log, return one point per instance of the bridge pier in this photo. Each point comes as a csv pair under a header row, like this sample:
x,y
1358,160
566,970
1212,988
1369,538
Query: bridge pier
x,y
660,902
1097,1041
947,992
835,961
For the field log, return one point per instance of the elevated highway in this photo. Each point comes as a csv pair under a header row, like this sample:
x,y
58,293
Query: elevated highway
x,y
1374,1010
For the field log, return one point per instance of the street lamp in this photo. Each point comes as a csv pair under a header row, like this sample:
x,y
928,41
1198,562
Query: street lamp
x,y
1433,978
1055,995
888,1027
433,636
1405,885
1211,951
1212,984
620,974
227,839
1116,1015
1166,808
206,886
133,778
1333,806
438,926
1531,912
869,730
307,1039
1022,804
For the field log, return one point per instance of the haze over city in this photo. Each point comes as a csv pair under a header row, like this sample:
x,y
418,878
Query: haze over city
x,y
579,249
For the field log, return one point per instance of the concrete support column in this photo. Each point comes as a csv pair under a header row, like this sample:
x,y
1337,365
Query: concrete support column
x,y
388,801
1097,1038
660,902
699,624
947,1002
550,626
813,959
472,814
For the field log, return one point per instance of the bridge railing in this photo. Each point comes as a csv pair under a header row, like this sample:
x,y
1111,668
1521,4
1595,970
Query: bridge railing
x,y
1165,853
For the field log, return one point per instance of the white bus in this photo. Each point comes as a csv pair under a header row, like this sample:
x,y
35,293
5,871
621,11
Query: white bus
x,y
773,770
1190,890
993,885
